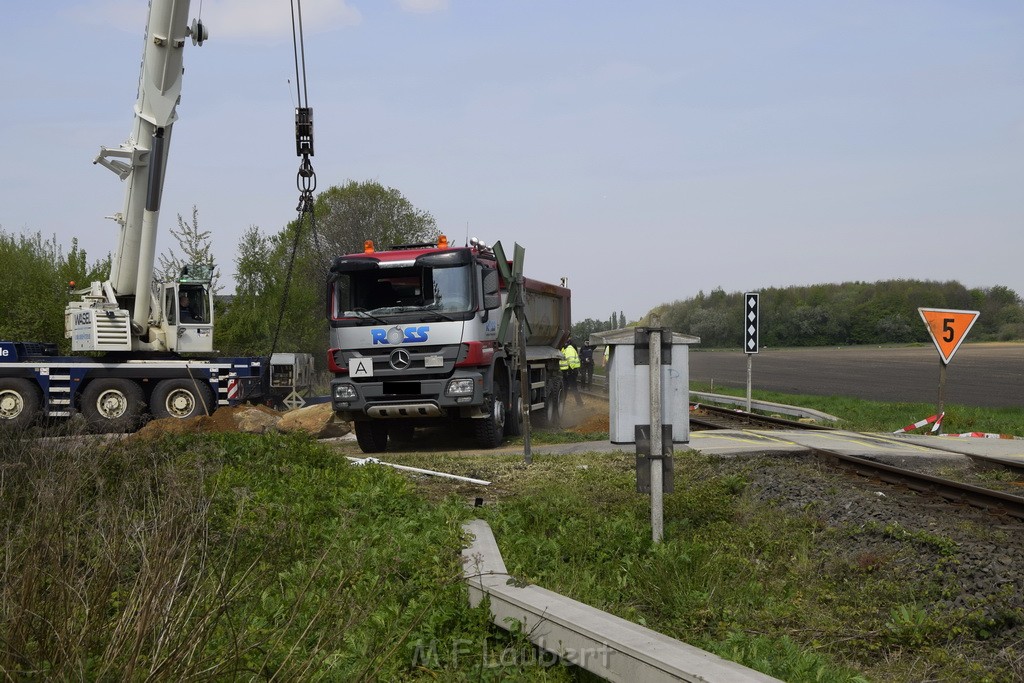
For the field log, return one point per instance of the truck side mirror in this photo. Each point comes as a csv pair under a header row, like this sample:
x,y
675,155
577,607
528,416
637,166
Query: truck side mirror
x,y
492,291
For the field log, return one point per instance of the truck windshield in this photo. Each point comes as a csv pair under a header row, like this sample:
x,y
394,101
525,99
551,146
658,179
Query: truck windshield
x,y
382,292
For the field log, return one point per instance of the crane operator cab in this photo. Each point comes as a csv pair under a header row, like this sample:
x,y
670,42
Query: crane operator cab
x,y
191,306
188,312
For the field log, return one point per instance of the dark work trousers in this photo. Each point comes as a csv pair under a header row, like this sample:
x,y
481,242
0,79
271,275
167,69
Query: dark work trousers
x,y
572,385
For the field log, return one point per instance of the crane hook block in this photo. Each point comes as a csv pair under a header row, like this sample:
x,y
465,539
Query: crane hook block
x,y
304,131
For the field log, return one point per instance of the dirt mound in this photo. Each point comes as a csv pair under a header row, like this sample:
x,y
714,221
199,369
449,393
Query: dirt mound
x,y
317,420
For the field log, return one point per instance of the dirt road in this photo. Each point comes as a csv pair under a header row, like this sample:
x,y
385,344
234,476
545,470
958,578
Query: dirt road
x,y
985,375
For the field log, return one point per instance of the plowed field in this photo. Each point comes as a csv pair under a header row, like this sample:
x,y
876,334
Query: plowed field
x,y
984,375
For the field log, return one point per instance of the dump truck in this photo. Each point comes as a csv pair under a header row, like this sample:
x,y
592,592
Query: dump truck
x,y
415,343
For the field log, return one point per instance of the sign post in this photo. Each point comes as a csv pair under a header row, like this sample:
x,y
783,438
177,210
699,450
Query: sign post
x,y
750,338
948,329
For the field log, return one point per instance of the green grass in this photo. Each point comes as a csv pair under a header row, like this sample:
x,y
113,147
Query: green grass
x,y
875,416
229,557
234,557
779,592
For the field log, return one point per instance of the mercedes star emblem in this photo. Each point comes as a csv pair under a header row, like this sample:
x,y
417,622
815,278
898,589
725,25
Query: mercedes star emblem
x,y
400,359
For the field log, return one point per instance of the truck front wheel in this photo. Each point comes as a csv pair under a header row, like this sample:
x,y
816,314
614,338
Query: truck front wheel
x,y
372,437
112,405
181,398
19,403
490,431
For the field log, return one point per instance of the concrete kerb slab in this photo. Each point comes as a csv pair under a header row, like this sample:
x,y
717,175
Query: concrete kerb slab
x,y
601,643
750,443
764,406
1009,449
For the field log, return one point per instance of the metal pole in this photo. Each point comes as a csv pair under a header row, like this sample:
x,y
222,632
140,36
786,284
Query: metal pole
x,y
525,391
942,386
750,378
657,464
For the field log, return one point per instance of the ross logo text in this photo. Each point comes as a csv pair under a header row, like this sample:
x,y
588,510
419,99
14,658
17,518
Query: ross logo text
x,y
396,335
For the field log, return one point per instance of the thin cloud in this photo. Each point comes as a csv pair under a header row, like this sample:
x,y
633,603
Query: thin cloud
x,y
245,20
124,15
260,19
423,6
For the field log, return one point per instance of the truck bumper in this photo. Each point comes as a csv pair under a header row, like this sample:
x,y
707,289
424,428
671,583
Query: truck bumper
x,y
460,395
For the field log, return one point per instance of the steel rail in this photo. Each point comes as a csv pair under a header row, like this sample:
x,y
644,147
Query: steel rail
x,y
731,418
997,502
994,501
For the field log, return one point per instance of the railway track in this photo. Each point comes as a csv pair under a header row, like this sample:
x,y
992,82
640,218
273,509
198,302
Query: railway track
x,y
716,417
706,417
997,502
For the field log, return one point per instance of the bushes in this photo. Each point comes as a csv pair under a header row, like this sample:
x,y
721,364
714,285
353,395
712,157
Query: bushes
x,y
34,277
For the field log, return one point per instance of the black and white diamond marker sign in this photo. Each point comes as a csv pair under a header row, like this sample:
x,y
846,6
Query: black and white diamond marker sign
x,y
750,320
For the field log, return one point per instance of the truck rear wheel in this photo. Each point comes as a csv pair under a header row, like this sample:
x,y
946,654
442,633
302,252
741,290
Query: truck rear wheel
x,y
563,395
372,437
181,398
514,415
554,408
112,405
19,403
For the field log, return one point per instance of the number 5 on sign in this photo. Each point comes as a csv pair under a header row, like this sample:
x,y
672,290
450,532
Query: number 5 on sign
x,y
947,328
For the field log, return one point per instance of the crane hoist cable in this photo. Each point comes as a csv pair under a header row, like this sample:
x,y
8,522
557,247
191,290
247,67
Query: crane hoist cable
x,y
306,177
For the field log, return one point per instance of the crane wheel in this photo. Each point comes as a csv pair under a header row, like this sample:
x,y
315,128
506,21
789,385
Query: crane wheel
x,y
112,405
20,401
181,398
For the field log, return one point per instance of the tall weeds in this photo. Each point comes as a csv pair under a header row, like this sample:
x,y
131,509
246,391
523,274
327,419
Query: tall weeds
x,y
221,558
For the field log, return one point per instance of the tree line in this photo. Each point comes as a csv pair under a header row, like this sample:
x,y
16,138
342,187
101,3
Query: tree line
x,y
280,277
848,313
280,288
37,276
582,330
279,302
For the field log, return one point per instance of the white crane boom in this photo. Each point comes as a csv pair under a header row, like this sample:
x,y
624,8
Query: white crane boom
x,y
141,162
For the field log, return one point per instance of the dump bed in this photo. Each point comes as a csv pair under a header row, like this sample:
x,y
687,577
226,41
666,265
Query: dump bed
x,y
548,312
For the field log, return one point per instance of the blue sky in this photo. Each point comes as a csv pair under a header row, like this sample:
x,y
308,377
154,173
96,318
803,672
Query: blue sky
x,y
645,150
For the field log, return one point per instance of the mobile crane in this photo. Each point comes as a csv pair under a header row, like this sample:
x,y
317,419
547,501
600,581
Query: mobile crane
x,y
141,330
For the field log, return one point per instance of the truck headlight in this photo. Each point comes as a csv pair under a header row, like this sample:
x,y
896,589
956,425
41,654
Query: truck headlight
x,y
459,387
344,392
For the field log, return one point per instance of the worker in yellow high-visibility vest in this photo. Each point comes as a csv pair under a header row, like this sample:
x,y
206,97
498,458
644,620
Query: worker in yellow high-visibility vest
x,y
570,367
